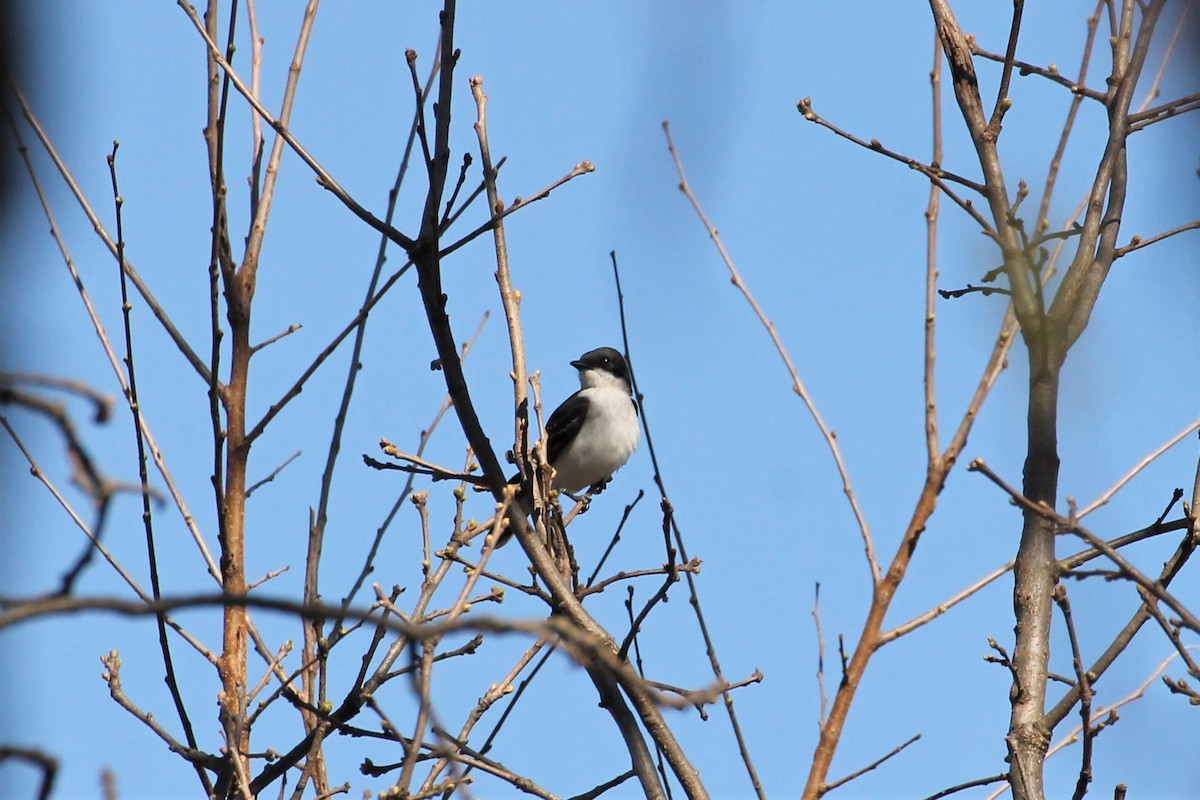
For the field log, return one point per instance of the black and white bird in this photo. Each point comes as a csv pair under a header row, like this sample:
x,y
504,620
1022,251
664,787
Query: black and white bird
x,y
595,431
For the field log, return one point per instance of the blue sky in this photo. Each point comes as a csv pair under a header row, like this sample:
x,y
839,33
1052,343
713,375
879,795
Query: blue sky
x,y
828,236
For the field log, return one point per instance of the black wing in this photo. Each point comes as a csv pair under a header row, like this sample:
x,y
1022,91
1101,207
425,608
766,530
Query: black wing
x,y
564,424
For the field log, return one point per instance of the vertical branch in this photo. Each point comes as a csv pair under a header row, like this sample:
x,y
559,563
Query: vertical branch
x,y
933,449
1194,509
221,263
314,659
256,137
258,228
131,398
1075,299
238,291
1048,335
1003,101
610,695
693,594
1084,685
1043,218
239,286
508,296
983,137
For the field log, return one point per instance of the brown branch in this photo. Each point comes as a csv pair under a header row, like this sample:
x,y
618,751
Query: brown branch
x,y
272,476
672,577
1003,776
1141,465
934,172
509,297
692,566
288,331
491,696
797,385
816,615
612,543
135,408
1084,685
1181,105
929,377
112,676
600,789
323,177
1050,73
1172,567
1003,101
151,302
945,605
1137,242
256,235
582,168
1105,716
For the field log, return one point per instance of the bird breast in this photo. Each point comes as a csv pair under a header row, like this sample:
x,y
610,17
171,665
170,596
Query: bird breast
x,y
608,438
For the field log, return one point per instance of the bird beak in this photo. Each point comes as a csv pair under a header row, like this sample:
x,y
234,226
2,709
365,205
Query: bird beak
x,y
579,365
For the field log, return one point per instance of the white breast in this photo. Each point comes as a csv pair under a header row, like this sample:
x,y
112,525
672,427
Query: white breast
x,y
608,437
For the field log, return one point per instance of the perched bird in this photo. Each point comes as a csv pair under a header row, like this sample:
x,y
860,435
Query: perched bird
x,y
593,433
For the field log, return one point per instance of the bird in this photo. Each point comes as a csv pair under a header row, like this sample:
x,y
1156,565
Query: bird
x,y
595,431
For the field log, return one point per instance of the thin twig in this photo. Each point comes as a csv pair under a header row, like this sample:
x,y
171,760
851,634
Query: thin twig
x,y
1049,73
816,615
693,593
1003,776
929,378
1137,242
1003,101
135,408
102,335
895,751
274,474
797,384
151,302
1141,465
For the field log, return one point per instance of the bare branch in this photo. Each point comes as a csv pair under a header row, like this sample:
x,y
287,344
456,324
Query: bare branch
x,y
152,303
797,384
1141,465
1137,242
934,172
1050,73
831,786
323,177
